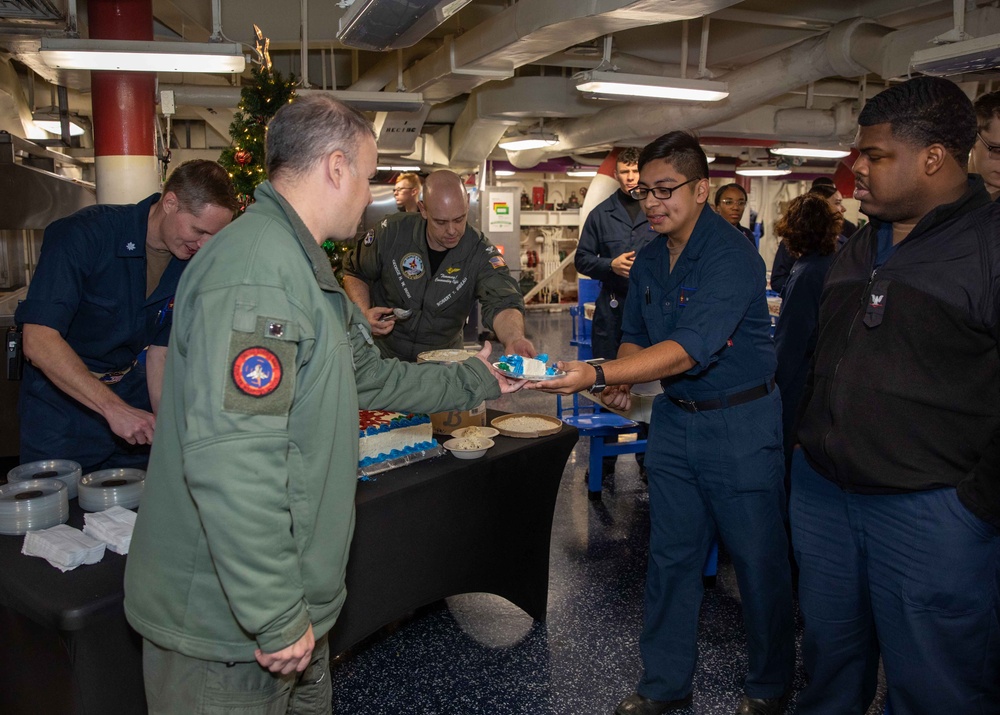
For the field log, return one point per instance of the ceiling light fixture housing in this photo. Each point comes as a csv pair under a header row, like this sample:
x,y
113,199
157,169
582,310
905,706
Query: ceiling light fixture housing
x,y
974,55
581,173
809,152
141,56
649,86
381,25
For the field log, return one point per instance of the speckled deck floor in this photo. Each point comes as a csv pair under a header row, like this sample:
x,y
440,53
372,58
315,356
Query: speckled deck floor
x,y
477,654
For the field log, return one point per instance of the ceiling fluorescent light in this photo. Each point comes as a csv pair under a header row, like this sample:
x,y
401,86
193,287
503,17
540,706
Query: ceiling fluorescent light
x,y
398,168
381,25
582,172
975,55
808,152
525,143
710,158
504,172
141,56
758,170
534,140
636,85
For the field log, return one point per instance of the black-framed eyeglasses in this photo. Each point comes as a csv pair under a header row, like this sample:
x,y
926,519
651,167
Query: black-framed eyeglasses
x,y
992,149
639,193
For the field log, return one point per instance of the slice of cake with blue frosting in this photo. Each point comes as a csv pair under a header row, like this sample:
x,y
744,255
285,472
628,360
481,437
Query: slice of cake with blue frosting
x,y
520,366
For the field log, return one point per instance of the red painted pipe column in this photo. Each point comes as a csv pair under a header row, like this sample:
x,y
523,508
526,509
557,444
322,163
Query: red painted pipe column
x,y
124,107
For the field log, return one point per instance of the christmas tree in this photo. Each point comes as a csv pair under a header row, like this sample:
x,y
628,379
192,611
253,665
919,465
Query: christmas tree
x,y
259,101
244,160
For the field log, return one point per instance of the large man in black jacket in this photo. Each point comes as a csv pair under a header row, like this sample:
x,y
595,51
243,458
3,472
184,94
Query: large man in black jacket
x,y
895,506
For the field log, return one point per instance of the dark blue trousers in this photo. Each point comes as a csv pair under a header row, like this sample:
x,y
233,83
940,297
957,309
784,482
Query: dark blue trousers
x,y
913,577
55,426
712,472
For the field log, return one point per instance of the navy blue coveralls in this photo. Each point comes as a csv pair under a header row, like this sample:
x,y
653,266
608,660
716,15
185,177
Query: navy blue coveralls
x,y
716,467
607,233
90,285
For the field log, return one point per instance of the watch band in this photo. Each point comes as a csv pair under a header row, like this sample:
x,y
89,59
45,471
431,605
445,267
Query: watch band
x,y
599,384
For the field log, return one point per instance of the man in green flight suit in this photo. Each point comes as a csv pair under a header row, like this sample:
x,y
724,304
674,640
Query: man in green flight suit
x,y
236,570
435,265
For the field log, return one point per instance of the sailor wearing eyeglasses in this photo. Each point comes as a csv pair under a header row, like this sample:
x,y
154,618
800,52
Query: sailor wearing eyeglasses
x,y
696,319
985,157
406,192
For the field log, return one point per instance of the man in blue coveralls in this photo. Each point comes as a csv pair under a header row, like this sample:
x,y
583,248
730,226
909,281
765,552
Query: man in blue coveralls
x,y
102,292
612,235
696,318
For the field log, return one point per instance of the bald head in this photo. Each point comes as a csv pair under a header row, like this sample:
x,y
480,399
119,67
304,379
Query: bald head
x,y
446,208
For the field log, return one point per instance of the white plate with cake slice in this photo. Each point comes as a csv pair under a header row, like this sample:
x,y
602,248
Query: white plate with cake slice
x,y
530,378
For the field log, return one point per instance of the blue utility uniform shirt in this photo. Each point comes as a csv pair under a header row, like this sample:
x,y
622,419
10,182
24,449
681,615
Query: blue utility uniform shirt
x,y
608,232
713,304
90,285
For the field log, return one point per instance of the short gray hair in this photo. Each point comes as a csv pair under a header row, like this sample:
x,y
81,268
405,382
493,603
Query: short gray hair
x,y
310,128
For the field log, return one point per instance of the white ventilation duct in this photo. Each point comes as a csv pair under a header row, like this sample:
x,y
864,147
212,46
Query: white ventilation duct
x,y
840,121
529,30
852,48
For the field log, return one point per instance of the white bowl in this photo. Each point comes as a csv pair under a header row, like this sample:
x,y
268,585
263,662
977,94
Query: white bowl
x,y
484,432
452,446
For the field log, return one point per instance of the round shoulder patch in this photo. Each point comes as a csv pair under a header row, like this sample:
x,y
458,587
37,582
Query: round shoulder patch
x,y
413,265
257,372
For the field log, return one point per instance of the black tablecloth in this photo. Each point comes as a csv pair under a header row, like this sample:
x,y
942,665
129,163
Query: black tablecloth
x,y
449,526
429,530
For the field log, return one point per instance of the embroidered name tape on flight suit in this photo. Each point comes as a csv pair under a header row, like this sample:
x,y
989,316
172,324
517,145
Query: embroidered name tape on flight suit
x,y
261,367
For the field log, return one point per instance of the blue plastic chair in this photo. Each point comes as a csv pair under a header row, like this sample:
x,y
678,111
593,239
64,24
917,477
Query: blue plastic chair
x,y
580,338
595,424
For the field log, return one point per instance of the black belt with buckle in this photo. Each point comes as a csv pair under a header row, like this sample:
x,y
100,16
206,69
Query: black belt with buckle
x,y
718,403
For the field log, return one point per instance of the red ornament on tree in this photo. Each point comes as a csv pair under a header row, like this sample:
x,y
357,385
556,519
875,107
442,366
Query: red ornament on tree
x,y
243,157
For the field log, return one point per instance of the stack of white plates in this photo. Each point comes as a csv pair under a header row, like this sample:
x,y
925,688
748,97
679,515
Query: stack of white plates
x,y
111,487
64,470
33,504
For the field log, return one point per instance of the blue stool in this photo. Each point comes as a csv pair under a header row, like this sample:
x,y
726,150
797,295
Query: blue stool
x,y
596,423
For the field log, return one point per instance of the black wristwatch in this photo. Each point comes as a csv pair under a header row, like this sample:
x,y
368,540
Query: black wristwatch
x,y
598,387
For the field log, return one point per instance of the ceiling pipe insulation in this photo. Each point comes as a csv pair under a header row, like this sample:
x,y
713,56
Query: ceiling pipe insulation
x,y
532,29
850,49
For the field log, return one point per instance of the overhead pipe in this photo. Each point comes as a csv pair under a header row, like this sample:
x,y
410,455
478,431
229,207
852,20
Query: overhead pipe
x,y
684,48
703,50
384,71
531,29
304,40
845,51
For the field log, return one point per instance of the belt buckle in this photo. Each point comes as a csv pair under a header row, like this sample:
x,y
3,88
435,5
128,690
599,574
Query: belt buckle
x,y
690,405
